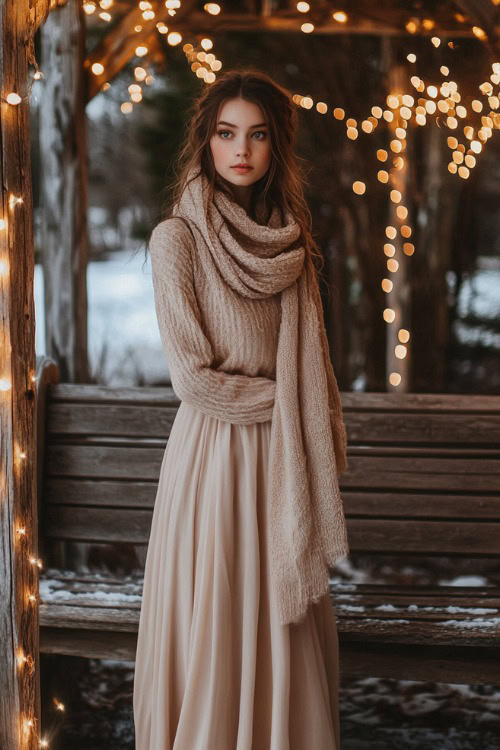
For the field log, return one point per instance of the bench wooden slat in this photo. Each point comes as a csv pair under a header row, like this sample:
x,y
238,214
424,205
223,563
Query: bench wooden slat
x,y
58,615
91,393
69,418
97,524
354,402
136,494
123,494
422,505
423,537
111,419
385,536
451,403
370,616
89,644
104,462
375,472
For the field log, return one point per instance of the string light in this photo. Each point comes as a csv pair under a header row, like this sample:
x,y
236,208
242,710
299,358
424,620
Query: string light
x,y
212,8
13,98
359,187
340,16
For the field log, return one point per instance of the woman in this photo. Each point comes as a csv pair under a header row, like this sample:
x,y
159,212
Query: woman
x,y
237,645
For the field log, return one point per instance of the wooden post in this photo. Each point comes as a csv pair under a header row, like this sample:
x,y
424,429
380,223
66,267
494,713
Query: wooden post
x,y
398,298
19,654
63,189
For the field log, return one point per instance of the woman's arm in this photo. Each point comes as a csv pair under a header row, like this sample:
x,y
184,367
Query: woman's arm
x,y
231,397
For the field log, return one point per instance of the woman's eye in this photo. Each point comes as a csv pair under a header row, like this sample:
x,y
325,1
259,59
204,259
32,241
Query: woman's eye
x,y
222,133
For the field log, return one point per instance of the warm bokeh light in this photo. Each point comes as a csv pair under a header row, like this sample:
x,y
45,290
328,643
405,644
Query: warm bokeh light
x,y
359,187
339,16
389,315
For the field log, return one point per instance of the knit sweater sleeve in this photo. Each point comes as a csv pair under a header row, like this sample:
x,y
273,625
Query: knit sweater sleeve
x,y
231,397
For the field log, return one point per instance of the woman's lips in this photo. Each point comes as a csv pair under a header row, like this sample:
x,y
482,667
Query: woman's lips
x,y
243,170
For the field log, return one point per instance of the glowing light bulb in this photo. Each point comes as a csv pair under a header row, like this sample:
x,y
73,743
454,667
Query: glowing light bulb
x,y
13,98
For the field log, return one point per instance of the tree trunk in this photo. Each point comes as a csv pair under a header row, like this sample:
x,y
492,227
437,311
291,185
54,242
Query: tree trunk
x,y
63,191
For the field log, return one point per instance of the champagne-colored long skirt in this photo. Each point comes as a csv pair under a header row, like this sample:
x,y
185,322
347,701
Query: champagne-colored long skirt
x,y
215,669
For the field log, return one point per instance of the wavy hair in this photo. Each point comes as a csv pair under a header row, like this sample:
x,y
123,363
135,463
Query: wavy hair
x,y
284,183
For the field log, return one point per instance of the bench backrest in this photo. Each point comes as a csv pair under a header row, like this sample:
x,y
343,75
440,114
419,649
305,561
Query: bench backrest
x,y
423,476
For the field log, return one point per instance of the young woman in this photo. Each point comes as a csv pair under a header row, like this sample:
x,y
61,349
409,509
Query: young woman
x,y
237,646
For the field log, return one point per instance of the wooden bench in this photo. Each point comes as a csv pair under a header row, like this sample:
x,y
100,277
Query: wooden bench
x,y
423,480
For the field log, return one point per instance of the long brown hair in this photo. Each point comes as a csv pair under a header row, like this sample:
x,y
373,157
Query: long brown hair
x,y
284,182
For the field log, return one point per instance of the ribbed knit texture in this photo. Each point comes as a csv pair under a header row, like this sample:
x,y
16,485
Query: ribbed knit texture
x,y
241,322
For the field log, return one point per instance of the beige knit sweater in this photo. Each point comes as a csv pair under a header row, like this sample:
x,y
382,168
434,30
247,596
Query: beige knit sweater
x,y
225,333
220,346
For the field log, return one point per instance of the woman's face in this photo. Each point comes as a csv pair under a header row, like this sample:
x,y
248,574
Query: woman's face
x,y
241,137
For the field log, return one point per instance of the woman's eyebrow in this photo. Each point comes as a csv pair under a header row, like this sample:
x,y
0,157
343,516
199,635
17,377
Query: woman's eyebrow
x,y
259,125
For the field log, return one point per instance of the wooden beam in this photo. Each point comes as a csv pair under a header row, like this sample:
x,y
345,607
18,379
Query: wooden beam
x,y
39,10
63,188
381,25
118,46
19,620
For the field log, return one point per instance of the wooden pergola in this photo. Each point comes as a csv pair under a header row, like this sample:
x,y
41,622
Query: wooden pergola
x,y
70,84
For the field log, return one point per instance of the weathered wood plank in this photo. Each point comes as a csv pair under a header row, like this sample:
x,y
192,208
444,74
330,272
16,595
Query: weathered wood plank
x,y
411,627
424,505
138,494
114,619
133,395
128,494
19,681
90,644
97,524
443,403
454,665
104,462
391,429
111,419
404,630
383,536
423,537
47,372
374,472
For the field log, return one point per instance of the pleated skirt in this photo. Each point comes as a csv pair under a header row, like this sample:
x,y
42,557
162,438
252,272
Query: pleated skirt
x,y
215,669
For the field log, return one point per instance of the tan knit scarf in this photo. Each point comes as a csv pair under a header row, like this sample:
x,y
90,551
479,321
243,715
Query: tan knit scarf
x,y
308,440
